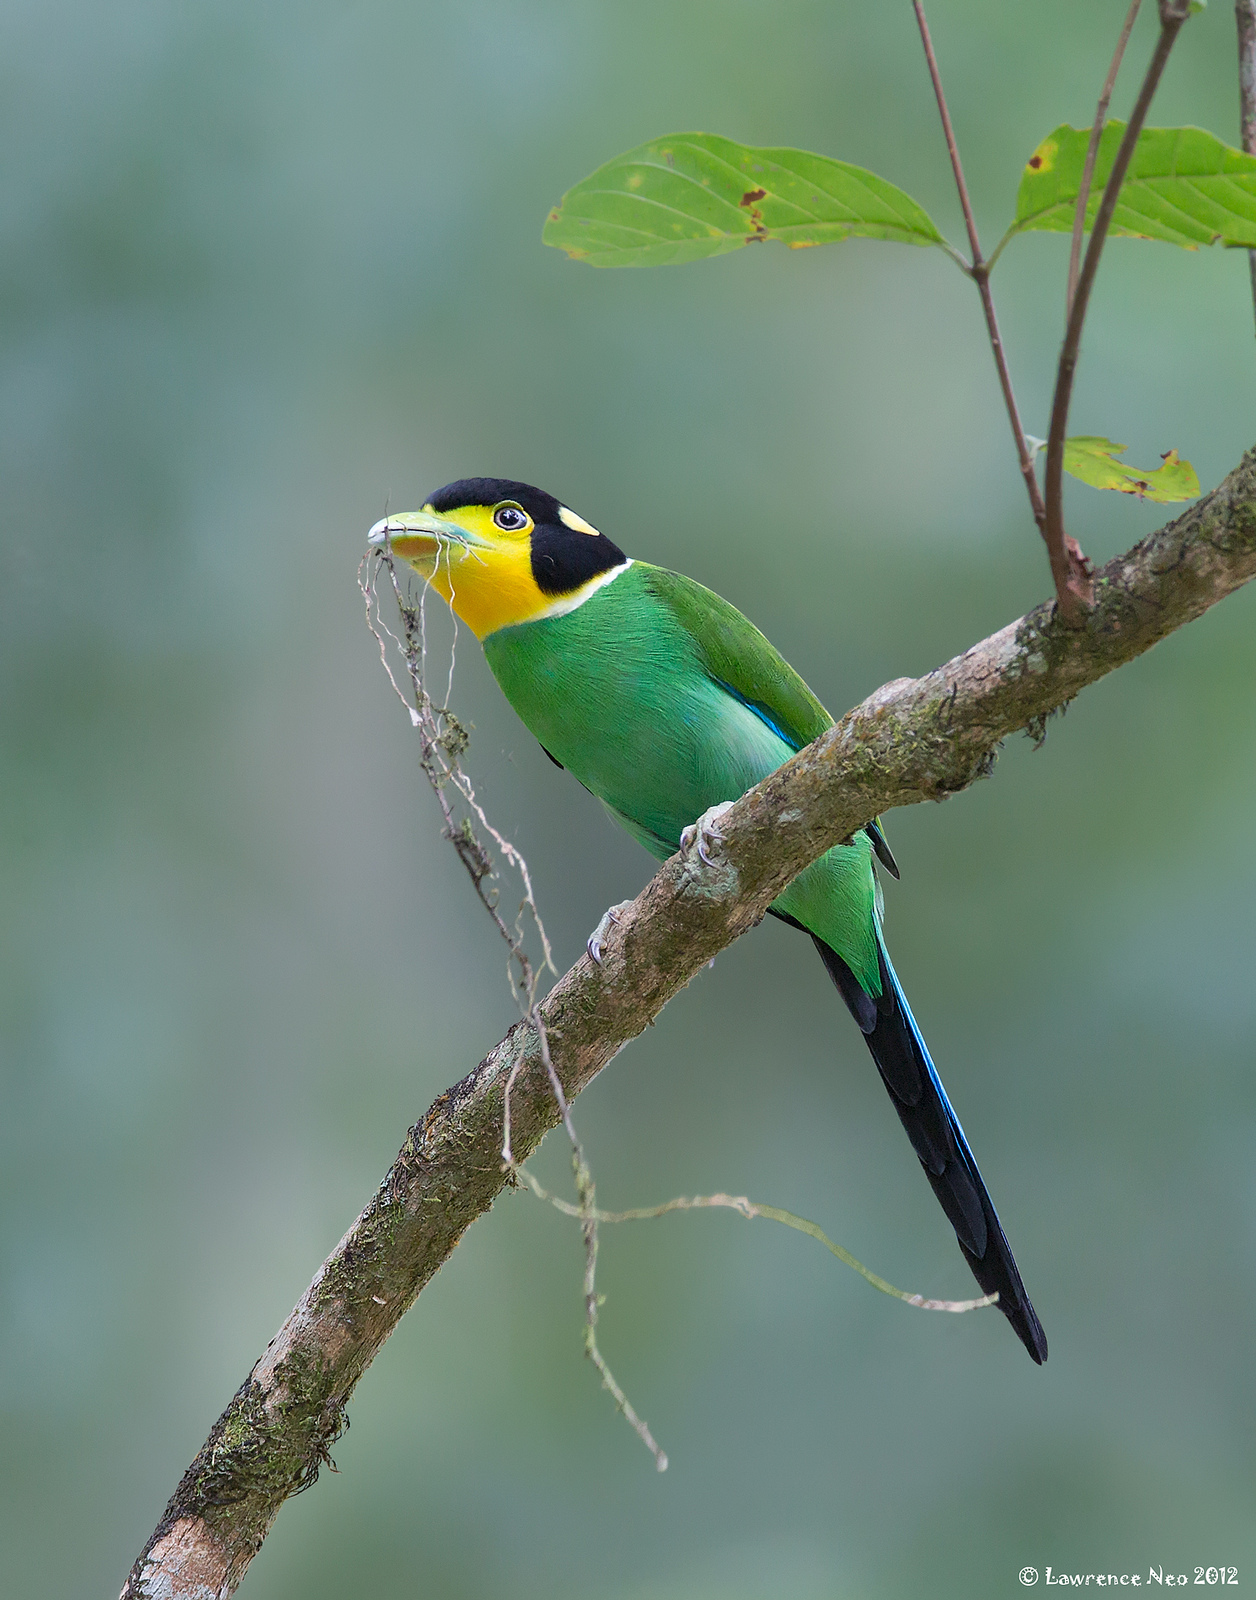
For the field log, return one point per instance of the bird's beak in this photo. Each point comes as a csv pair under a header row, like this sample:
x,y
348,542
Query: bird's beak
x,y
416,535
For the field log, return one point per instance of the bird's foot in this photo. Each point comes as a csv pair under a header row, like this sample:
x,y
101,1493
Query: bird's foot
x,y
598,936
699,836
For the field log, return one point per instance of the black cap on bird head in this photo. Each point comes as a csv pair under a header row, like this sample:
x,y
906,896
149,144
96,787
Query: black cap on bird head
x,y
566,551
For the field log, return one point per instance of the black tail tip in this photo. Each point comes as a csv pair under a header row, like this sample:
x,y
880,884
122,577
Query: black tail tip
x,y
997,1273
1028,1329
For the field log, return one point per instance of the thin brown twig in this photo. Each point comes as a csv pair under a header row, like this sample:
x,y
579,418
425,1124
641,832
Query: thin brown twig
x,y
952,145
587,1212
979,272
745,1207
442,741
1245,18
1074,585
1092,155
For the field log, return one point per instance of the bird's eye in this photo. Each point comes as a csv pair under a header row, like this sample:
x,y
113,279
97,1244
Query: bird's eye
x,y
510,518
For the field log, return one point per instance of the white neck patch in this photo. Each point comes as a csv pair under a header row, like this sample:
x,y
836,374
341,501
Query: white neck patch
x,y
570,602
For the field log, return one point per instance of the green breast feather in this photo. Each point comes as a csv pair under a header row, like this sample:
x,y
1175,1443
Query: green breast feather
x,y
663,700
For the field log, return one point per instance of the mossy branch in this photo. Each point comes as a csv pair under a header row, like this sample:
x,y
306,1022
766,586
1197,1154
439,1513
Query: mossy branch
x,y
914,739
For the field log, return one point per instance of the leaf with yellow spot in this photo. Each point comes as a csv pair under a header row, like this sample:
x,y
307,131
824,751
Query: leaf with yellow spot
x,y
1093,460
1184,187
693,195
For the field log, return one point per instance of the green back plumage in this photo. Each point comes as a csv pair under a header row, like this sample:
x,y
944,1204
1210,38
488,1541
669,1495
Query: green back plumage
x,y
664,700
737,655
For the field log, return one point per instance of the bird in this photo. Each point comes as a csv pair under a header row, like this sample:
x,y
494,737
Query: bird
x,y
667,704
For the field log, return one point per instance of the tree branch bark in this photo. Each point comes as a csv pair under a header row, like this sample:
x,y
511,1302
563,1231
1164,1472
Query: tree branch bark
x,y
914,739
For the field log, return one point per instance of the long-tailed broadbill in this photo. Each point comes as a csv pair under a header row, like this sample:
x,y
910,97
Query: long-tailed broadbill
x,y
665,702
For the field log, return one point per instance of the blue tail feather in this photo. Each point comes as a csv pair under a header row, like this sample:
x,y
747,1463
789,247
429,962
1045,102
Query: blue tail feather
x,y
908,1072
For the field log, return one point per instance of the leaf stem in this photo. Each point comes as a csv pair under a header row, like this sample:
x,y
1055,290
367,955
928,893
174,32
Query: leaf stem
x,y
1074,586
1245,18
979,272
1001,247
1092,155
958,259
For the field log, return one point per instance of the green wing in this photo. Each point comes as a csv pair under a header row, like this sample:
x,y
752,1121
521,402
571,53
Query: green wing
x,y
738,657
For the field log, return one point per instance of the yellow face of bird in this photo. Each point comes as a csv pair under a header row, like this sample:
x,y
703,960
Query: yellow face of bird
x,y
480,567
501,552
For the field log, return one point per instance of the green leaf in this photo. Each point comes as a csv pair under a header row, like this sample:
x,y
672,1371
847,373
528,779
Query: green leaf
x,y
1094,462
693,195
1184,186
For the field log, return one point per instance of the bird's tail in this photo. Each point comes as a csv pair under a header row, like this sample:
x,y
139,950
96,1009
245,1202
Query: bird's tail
x,y
908,1072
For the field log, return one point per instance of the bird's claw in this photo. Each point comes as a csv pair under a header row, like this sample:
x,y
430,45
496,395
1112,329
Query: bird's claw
x,y
598,936
702,833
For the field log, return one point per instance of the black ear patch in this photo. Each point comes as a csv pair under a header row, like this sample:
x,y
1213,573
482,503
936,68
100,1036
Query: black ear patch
x,y
563,558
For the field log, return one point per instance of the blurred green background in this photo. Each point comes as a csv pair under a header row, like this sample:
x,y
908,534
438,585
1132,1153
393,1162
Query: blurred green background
x,y
269,270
